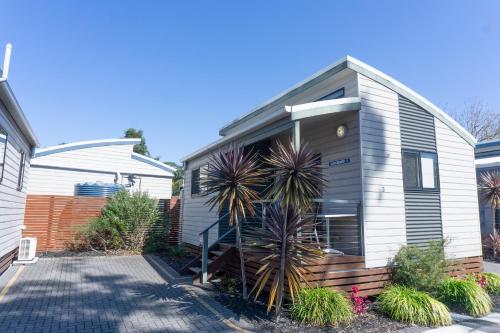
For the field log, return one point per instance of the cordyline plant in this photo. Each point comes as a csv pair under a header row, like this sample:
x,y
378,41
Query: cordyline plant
x,y
297,176
233,177
265,246
489,185
298,180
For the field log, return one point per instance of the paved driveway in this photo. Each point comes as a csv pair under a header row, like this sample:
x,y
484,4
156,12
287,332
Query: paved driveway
x,y
106,294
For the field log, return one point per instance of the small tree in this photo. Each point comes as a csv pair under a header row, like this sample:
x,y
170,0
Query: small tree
x,y
140,148
478,120
298,180
233,177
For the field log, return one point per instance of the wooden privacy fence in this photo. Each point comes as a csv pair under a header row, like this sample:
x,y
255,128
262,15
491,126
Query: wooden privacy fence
x,y
55,219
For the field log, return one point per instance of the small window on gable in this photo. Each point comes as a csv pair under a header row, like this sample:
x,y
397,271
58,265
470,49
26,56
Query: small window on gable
x,y
420,170
22,165
339,93
3,151
198,179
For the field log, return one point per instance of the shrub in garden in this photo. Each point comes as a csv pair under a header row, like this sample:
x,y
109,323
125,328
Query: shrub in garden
x,y
229,284
465,296
408,305
359,303
178,251
492,283
322,307
123,225
420,267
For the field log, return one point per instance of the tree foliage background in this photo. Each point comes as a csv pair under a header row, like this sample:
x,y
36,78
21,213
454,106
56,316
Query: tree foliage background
x,y
480,120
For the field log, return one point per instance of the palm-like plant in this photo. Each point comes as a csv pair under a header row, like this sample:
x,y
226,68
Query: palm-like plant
x,y
233,177
489,185
298,180
297,175
265,246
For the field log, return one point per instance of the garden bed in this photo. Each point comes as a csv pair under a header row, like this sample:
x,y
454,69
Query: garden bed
x,y
174,261
255,313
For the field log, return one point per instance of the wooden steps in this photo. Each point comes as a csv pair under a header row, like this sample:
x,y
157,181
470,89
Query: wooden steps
x,y
217,257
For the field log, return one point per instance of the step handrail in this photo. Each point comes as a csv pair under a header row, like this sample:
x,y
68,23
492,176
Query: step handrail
x,y
205,248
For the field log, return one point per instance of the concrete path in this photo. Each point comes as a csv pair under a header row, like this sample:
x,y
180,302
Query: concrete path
x,y
106,294
492,267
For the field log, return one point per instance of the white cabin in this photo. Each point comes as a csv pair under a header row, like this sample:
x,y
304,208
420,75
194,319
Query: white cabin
x,y
404,163
58,169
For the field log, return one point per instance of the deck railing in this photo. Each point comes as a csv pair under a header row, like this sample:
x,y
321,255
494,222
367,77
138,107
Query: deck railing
x,y
337,228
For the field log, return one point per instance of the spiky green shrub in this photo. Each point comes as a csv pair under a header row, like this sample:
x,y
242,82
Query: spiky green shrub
x,y
464,296
322,307
493,283
408,305
421,268
124,223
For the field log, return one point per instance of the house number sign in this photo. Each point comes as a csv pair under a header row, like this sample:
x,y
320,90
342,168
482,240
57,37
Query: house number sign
x,y
342,161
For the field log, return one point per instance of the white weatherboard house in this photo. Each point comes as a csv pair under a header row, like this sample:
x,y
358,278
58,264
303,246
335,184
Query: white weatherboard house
x,y
58,169
488,160
17,141
402,165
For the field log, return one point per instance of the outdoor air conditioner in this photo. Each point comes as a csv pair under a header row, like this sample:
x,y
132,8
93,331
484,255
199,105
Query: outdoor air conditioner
x,y
27,249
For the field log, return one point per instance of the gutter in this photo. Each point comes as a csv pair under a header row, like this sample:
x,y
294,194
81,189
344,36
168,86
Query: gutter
x,y
11,103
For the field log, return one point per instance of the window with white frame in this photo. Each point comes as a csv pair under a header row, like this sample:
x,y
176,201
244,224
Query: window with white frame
x,y
3,151
420,170
22,166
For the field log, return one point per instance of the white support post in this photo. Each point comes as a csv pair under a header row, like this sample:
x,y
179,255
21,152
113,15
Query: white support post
x,y
296,134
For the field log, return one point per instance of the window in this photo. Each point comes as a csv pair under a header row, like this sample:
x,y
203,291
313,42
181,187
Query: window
x,y
20,179
3,150
420,170
198,178
339,93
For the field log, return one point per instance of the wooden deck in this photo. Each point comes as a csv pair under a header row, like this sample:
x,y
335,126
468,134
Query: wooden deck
x,y
342,272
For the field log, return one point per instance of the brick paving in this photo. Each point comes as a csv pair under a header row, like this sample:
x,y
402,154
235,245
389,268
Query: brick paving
x,y
104,294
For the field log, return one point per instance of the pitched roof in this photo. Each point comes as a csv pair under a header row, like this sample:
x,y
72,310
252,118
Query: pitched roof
x,y
357,66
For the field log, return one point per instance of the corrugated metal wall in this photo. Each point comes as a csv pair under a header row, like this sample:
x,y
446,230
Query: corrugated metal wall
x,y
422,208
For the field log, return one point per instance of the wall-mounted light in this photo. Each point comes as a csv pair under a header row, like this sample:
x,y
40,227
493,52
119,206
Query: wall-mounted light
x,y
341,131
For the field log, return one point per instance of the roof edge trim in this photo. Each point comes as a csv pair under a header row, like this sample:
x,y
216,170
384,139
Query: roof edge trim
x,y
84,144
153,162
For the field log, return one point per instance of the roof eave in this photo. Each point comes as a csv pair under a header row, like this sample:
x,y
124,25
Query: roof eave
x,y
9,99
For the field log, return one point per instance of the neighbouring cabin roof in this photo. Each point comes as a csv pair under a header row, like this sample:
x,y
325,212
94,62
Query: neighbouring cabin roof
x,y
41,153
346,62
8,99
488,154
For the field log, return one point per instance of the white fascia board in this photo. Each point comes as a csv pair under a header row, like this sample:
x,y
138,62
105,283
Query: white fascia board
x,y
14,108
413,96
153,162
233,136
488,161
315,109
84,144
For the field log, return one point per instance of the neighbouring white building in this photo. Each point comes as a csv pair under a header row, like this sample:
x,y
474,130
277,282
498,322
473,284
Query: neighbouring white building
x,y
58,169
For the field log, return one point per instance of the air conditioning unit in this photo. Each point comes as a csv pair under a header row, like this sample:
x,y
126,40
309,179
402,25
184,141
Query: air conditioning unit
x,y
27,249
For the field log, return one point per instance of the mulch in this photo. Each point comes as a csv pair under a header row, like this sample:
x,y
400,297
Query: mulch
x,y
255,313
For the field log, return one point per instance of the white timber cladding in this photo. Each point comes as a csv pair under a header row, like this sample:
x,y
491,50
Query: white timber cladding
x,y
343,181
12,201
383,196
459,199
197,216
58,173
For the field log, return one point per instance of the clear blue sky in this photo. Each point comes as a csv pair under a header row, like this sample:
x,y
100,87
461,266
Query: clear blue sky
x,y
180,70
